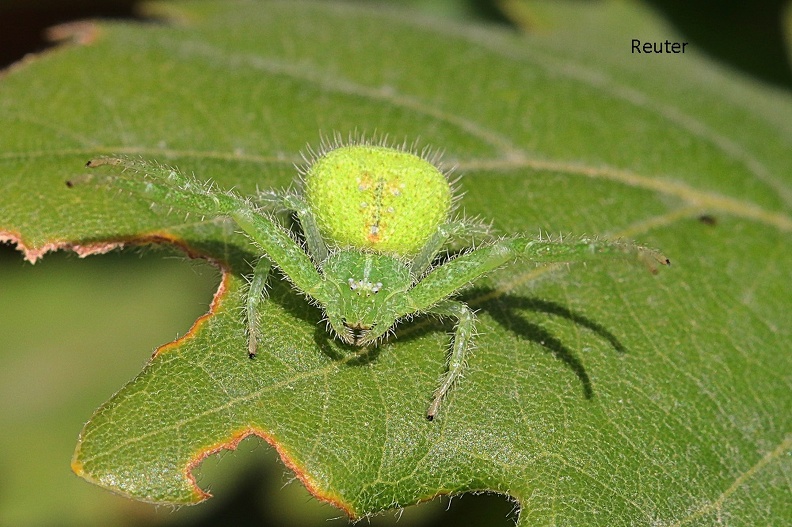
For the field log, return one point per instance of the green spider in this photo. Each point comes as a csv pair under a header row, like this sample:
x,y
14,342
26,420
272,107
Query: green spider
x,y
376,226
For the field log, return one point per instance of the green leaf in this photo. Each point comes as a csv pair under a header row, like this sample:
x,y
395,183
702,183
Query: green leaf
x,y
597,395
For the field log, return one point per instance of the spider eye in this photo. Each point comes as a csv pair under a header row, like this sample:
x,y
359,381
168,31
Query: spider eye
x,y
364,287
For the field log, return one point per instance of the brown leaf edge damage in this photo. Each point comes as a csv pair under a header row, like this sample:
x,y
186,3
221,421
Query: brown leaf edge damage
x,y
83,250
236,437
32,255
216,300
231,444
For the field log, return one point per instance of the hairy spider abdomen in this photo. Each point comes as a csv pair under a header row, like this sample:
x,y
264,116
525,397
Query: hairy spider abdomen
x,y
377,198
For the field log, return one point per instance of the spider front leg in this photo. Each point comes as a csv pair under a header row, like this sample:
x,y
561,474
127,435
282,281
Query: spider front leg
x,y
448,278
167,187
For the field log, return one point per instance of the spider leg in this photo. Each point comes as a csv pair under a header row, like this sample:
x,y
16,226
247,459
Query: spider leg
x,y
463,333
448,278
314,242
549,250
256,294
167,186
421,262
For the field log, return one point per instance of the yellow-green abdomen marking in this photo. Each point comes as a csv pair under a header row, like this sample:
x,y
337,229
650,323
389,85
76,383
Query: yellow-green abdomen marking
x,y
377,198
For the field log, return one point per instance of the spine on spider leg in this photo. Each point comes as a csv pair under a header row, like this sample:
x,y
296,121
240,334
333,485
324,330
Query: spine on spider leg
x,y
582,249
166,186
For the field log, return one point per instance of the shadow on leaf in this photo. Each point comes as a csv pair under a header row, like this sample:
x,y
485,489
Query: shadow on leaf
x,y
504,309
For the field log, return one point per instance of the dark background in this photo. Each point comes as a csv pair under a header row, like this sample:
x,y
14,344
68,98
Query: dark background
x,y
748,36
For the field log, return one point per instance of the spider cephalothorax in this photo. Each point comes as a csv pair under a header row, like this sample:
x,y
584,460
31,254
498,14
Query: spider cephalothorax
x,y
376,223
361,289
